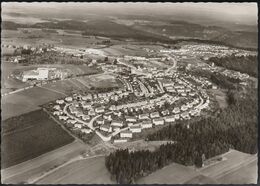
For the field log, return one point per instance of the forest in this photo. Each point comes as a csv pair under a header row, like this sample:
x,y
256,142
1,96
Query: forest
x,y
243,64
234,127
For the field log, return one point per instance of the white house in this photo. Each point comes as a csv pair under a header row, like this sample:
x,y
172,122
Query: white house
x,y
158,121
79,126
126,134
87,131
177,116
135,128
105,128
117,123
144,116
68,99
86,105
100,110
100,121
72,121
86,117
60,101
120,140
130,118
56,113
155,115
184,107
146,124
176,110
185,115
63,118
87,97
57,107
165,112
169,119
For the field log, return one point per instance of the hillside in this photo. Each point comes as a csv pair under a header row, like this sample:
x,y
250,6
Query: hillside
x,y
185,30
143,30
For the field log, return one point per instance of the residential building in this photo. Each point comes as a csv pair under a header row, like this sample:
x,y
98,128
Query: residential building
x,y
60,101
144,116
105,128
146,124
130,118
77,125
169,119
126,134
68,99
120,140
158,121
100,110
87,131
135,129
154,115
115,123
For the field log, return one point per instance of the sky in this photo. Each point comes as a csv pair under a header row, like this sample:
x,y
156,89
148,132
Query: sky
x,y
237,12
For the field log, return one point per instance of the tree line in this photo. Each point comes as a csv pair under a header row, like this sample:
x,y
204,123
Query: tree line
x,y
244,64
234,127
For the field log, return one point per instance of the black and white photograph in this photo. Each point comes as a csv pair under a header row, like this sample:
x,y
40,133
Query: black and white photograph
x,y
129,93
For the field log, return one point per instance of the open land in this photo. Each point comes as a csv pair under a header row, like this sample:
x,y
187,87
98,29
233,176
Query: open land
x,y
94,170
234,163
26,101
33,168
37,136
225,172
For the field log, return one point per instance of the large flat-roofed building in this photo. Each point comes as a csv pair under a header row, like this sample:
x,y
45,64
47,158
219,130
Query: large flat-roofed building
x,y
38,74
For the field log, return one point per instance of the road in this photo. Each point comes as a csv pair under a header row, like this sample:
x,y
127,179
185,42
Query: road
x,y
89,124
174,63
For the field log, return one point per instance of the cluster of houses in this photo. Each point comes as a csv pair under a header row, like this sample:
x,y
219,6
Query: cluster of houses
x,y
226,72
85,107
114,115
204,51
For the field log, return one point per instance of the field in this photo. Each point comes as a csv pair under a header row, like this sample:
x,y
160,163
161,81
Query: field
x,y
235,168
247,174
171,174
35,134
103,81
10,84
36,167
26,101
235,163
36,36
88,171
83,83
119,50
220,97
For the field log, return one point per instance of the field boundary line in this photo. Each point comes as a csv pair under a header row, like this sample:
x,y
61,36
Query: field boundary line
x,y
11,132
83,83
71,81
53,90
26,162
235,168
79,158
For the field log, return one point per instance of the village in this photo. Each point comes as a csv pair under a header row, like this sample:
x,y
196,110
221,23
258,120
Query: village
x,y
120,114
153,94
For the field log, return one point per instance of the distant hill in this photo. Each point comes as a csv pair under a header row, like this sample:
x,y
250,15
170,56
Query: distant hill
x,y
156,31
185,30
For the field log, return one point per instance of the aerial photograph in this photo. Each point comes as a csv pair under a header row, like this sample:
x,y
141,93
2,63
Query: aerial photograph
x,y
129,93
